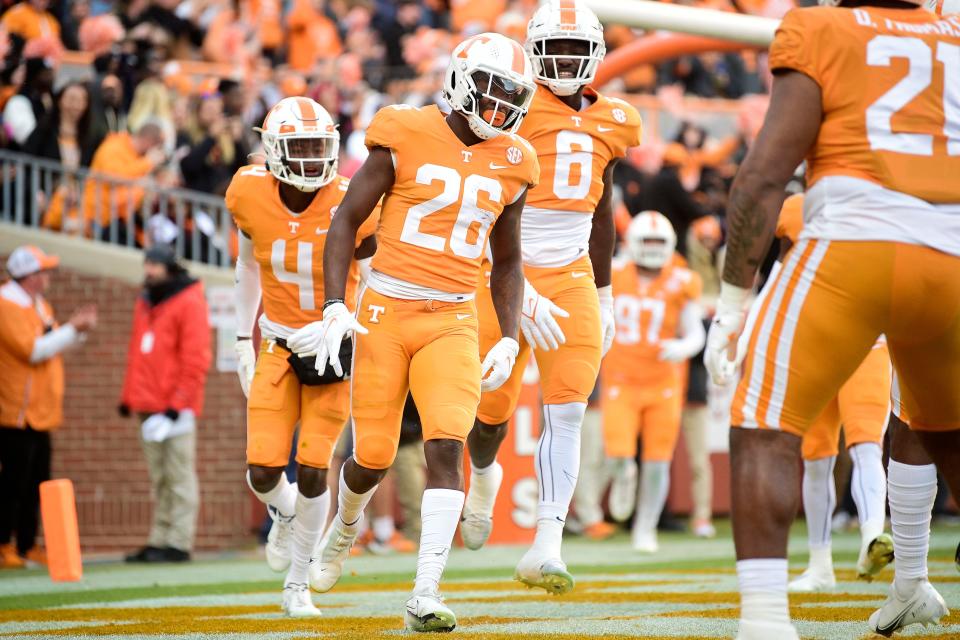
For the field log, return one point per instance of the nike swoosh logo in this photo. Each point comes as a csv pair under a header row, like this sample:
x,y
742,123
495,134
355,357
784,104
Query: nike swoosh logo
x,y
494,165
604,129
893,626
578,274
463,316
320,231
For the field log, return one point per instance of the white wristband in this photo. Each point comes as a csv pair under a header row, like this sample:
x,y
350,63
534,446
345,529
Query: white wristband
x,y
605,294
732,298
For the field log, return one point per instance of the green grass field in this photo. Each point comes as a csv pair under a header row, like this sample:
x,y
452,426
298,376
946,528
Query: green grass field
x,y
688,590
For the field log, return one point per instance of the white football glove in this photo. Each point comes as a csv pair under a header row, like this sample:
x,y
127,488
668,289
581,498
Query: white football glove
x,y
607,323
156,428
673,351
539,328
498,364
246,363
721,357
323,338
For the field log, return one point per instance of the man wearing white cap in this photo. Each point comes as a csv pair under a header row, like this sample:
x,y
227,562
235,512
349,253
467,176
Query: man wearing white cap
x,y
31,395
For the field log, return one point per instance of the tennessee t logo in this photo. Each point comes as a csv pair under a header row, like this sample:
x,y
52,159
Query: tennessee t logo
x,y
375,311
466,155
577,120
294,226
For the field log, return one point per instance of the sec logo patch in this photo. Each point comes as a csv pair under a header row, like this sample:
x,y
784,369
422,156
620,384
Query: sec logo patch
x,y
619,115
514,155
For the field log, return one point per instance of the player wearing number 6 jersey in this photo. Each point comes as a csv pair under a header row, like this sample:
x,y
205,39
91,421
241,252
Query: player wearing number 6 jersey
x,y
283,211
867,92
568,242
449,183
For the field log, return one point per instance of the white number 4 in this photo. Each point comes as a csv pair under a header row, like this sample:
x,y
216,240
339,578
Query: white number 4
x,y
880,51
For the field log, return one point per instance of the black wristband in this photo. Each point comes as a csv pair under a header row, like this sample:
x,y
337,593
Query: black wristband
x,y
173,414
244,338
330,302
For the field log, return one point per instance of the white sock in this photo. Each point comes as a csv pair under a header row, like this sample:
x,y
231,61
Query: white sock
x,y
821,559
484,484
763,590
869,488
383,528
283,496
307,527
350,505
819,500
654,486
557,465
439,515
912,489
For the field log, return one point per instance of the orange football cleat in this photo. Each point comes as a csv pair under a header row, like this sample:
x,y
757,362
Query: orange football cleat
x,y
600,530
9,559
37,554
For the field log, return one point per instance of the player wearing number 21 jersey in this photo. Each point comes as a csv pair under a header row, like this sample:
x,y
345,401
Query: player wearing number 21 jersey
x,y
449,182
868,94
568,241
283,210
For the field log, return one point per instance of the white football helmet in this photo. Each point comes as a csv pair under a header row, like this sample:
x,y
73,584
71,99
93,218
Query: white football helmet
x,y
301,143
490,81
942,8
651,240
564,74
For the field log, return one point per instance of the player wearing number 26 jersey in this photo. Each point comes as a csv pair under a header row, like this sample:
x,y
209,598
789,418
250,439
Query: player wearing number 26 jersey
x,y
449,182
869,95
568,240
283,210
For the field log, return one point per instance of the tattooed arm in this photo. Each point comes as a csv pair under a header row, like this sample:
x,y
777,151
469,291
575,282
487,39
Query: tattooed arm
x,y
789,130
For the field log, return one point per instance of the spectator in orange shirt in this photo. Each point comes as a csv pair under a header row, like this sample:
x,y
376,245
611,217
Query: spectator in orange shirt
x,y
31,395
312,36
122,156
31,20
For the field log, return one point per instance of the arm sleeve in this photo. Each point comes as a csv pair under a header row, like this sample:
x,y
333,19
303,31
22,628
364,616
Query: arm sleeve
x,y
793,46
385,129
692,334
246,287
53,343
193,352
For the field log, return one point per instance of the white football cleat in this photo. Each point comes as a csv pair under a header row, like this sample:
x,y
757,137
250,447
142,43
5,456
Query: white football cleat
x,y
704,529
623,490
925,606
549,574
813,581
752,630
297,602
475,529
279,541
325,570
644,541
426,612
874,556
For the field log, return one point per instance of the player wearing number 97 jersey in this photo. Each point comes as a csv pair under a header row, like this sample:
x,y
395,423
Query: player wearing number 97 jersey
x,y
869,95
283,210
449,183
568,241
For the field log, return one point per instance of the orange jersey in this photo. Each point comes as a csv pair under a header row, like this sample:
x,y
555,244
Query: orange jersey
x,y
647,312
288,247
790,222
890,114
573,148
445,198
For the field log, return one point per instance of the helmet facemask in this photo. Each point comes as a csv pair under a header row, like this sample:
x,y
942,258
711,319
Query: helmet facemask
x,y
305,160
565,63
494,104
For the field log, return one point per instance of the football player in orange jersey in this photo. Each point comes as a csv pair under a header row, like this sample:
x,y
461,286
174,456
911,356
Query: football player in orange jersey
x,y
866,93
861,409
568,242
659,327
283,211
449,182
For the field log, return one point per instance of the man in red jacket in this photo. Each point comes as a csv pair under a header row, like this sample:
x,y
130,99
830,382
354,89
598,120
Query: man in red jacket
x,y
167,363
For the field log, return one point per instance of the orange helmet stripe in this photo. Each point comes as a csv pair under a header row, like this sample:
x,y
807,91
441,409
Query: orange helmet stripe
x,y
519,62
568,13
307,113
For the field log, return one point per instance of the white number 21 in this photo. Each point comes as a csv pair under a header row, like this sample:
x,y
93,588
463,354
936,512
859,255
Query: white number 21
x,y
880,51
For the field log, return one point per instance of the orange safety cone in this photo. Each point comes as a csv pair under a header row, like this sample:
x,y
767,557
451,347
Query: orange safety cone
x,y
61,534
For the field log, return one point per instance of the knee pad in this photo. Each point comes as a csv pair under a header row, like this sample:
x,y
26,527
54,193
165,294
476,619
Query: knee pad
x,y
375,451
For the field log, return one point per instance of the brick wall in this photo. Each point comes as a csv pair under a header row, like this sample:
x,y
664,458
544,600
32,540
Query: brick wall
x,y
100,451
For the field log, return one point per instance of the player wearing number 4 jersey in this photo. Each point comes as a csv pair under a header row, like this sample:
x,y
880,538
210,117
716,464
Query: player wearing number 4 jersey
x,y
283,211
568,241
868,93
449,183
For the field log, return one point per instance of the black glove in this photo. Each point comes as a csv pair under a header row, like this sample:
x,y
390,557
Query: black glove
x,y
123,410
173,414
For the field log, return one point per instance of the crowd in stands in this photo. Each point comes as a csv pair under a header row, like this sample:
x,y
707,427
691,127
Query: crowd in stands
x,y
171,91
